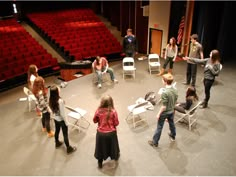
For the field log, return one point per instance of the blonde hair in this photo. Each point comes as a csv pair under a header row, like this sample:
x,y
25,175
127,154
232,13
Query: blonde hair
x,y
39,86
168,78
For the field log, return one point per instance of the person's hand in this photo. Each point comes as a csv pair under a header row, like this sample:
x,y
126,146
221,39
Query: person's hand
x,y
158,116
103,72
136,53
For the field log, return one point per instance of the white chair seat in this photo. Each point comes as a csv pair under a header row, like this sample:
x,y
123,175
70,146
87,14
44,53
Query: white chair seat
x,y
30,97
128,66
153,63
77,114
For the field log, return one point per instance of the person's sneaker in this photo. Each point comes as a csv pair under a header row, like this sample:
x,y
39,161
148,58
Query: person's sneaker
x,y
150,142
99,85
50,134
58,144
115,81
43,129
171,137
71,149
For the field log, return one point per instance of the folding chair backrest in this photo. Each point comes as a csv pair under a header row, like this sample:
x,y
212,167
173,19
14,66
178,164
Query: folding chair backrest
x,y
128,61
153,58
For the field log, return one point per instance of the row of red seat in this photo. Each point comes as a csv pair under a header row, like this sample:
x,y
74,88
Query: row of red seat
x,y
62,31
18,49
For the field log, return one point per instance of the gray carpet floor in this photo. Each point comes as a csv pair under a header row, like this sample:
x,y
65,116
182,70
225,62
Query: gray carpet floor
x,y
208,149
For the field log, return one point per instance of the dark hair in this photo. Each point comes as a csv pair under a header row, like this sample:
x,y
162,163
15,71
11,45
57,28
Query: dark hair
x,y
191,91
215,56
107,102
97,59
194,36
53,100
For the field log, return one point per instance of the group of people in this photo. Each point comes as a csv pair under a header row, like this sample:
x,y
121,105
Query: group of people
x,y
54,105
106,116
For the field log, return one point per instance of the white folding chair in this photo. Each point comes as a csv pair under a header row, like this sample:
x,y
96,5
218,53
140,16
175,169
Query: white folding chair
x,y
153,63
30,97
128,67
190,115
136,109
77,114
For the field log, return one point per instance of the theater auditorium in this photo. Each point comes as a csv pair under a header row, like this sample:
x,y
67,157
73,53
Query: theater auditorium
x,y
63,39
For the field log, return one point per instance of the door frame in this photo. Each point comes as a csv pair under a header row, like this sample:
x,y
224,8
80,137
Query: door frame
x,y
150,37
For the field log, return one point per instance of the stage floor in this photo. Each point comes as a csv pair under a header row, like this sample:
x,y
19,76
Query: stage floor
x,y
209,149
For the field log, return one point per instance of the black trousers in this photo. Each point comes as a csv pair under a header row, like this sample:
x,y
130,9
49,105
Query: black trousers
x,y
191,73
46,121
207,85
58,126
168,60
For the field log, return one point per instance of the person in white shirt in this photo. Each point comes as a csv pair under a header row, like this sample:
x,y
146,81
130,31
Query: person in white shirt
x,y
57,106
32,74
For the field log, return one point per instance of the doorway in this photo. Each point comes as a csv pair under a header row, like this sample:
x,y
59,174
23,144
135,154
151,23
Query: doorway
x,y
155,41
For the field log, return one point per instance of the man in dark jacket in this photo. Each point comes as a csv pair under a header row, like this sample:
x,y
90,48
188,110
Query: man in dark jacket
x,y
130,45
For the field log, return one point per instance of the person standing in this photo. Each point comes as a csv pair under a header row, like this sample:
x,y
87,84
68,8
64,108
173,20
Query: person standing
x,y
211,70
40,93
169,97
170,56
130,44
196,51
107,144
100,65
57,106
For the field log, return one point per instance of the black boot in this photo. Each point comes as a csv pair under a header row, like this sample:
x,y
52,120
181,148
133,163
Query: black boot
x,y
204,105
58,144
71,149
100,163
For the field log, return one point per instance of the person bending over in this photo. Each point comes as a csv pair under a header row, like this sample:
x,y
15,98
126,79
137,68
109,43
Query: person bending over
x,y
100,66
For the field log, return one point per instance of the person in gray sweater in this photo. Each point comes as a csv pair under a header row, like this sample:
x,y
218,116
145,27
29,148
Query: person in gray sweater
x,y
211,70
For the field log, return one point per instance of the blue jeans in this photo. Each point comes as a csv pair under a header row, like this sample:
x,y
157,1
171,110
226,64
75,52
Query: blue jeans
x,y
99,74
160,124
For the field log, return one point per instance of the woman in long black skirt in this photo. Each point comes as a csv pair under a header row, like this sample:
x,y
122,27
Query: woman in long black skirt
x,y
107,144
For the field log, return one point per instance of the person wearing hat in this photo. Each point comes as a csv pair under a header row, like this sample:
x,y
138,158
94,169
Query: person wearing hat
x,y
195,51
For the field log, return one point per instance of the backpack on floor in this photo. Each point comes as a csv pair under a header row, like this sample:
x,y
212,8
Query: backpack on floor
x,y
151,97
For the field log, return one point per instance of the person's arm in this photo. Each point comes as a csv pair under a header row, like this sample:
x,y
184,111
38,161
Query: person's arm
x,y
215,69
115,120
164,100
106,65
62,109
166,52
196,60
176,52
95,118
136,44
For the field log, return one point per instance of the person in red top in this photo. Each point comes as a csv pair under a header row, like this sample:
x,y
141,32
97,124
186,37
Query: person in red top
x,y
107,144
100,65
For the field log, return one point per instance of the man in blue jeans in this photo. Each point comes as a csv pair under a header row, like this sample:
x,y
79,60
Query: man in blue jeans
x,y
168,98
